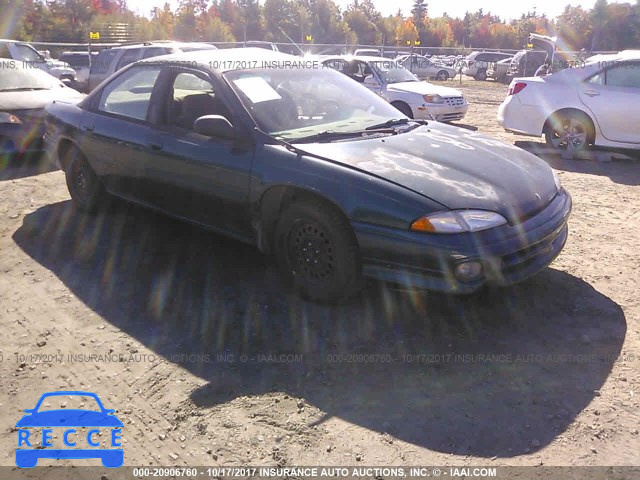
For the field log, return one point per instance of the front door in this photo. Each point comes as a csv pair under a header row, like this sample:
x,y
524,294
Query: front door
x,y
191,175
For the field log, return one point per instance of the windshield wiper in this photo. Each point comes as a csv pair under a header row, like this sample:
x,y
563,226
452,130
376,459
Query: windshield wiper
x,y
331,134
389,123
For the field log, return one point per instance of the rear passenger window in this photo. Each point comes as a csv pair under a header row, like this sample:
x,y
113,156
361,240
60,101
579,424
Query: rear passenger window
x,y
129,56
626,75
129,94
102,62
155,52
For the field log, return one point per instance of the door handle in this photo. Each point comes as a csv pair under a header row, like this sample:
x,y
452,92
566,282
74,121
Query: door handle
x,y
156,146
88,128
592,93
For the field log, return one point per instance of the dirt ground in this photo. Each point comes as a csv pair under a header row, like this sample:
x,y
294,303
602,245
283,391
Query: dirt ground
x,y
208,360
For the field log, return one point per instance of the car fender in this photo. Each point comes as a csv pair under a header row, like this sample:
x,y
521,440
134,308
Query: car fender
x,y
351,190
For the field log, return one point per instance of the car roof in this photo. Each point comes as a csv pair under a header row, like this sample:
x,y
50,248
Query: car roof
x,y
227,59
162,44
363,58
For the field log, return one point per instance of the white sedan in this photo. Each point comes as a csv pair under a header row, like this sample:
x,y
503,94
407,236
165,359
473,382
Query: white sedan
x,y
401,88
596,103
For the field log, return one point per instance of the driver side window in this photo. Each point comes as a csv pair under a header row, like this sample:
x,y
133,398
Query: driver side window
x,y
192,95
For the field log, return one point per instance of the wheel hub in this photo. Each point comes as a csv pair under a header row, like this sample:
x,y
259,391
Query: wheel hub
x,y
312,252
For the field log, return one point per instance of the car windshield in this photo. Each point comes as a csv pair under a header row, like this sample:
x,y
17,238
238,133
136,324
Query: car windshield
x,y
27,54
26,79
393,72
296,103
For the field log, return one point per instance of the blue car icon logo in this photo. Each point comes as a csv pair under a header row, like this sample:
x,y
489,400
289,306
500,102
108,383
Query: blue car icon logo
x,y
69,419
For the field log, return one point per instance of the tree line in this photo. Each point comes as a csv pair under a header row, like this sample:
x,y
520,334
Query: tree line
x,y
607,26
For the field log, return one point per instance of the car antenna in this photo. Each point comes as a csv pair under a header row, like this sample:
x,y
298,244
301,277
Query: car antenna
x,y
285,34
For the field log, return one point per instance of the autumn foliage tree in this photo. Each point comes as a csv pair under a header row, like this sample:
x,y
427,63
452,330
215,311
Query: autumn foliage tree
x,y
607,26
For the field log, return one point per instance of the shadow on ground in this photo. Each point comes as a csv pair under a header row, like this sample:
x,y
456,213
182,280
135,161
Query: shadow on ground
x,y
500,373
621,167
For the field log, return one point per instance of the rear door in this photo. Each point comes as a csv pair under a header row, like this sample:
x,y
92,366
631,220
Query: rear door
x,y
117,133
613,97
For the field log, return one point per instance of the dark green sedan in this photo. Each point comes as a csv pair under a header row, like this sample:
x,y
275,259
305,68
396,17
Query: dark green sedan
x,y
309,165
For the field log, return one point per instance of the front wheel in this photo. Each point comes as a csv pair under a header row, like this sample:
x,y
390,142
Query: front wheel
x,y
442,75
317,252
84,186
481,74
404,108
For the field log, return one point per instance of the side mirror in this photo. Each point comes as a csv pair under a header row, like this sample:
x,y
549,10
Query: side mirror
x,y
214,126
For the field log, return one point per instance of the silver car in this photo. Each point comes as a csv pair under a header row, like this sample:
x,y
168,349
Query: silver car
x,y
422,67
111,60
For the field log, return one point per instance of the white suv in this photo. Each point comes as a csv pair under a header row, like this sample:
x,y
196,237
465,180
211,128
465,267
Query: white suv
x,y
111,60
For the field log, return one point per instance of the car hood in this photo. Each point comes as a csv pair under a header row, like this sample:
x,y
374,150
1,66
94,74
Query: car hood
x,y
424,88
34,99
452,166
69,418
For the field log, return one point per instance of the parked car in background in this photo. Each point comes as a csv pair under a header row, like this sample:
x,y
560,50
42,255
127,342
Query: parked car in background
x,y
422,67
525,63
477,63
24,53
364,52
499,71
401,88
113,59
596,104
309,165
262,44
81,63
24,92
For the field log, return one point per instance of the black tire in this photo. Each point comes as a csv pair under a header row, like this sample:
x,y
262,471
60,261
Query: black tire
x,y
569,131
404,108
317,252
442,75
85,188
481,74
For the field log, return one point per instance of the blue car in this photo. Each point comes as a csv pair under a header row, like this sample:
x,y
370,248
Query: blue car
x,y
28,457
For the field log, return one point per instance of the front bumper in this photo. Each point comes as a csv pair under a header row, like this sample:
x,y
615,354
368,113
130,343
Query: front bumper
x,y
508,254
441,113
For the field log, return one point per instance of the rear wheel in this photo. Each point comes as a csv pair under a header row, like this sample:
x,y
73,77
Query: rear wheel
x,y
481,74
317,251
84,186
404,108
569,131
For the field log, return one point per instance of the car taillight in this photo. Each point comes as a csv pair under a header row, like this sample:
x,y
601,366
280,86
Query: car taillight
x,y
516,88
471,62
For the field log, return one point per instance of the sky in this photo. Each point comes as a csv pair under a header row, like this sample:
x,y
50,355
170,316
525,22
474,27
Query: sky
x,y
454,8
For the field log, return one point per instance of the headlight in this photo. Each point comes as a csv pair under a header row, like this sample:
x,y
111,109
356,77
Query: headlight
x,y
433,99
556,179
458,221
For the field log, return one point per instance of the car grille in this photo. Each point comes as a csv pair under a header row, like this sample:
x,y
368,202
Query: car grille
x,y
454,101
450,117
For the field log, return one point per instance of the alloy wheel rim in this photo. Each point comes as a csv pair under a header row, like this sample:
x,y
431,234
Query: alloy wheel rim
x,y
570,135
